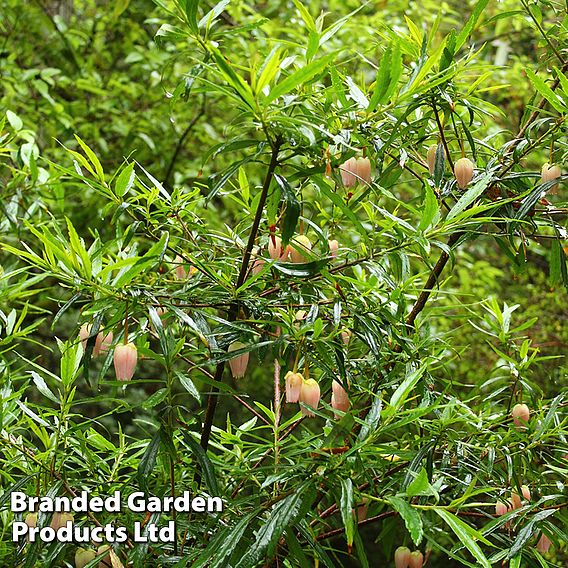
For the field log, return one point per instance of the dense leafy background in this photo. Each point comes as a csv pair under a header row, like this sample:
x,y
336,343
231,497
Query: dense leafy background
x,y
134,133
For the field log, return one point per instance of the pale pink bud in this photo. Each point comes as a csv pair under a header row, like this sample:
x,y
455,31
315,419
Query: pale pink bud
x,y
362,509
431,157
333,247
339,399
544,543
301,315
416,560
180,271
550,173
102,343
463,170
258,263
299,246
500,509
401,557
239,363
346,336
526,492
84,333
310,395
125,358
83,557
521,416
257,266
31,520
293,386
105,561
348,172
516,502
275,249
363,170
60,520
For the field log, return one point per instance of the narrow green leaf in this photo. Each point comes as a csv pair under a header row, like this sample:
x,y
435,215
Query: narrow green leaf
x,y
467,535
299,77
401,393
346,508
545,91
292,212
93,159
470,195
124,181
206,466
470,25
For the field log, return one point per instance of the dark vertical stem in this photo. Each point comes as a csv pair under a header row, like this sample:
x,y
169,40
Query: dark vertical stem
x,y
234,308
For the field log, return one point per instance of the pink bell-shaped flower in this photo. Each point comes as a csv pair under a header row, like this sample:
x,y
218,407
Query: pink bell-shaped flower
x,y
310,395
544,543
463,170
401,557
416,560
298,249
275,249
550,173
521,416
102,343
431,158
333,245
125,359
83,556
239,363
293,386
339,399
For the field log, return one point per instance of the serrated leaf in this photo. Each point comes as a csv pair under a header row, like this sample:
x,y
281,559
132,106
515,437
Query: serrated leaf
x,y
411,518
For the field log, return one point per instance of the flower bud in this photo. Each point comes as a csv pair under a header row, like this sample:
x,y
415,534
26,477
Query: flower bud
x,y
354,171
339,399
550,173
60,520
348,170
333,246
364,170
180,271
31,520
102,343
500,509
346,336
293,386
239,363
83,556
416,560
431,158
258,263
310,395
463,170
299,246
521,416
526,492
362,510
401,557
516,502
105,561
125,358
544,543
84,333
275,249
